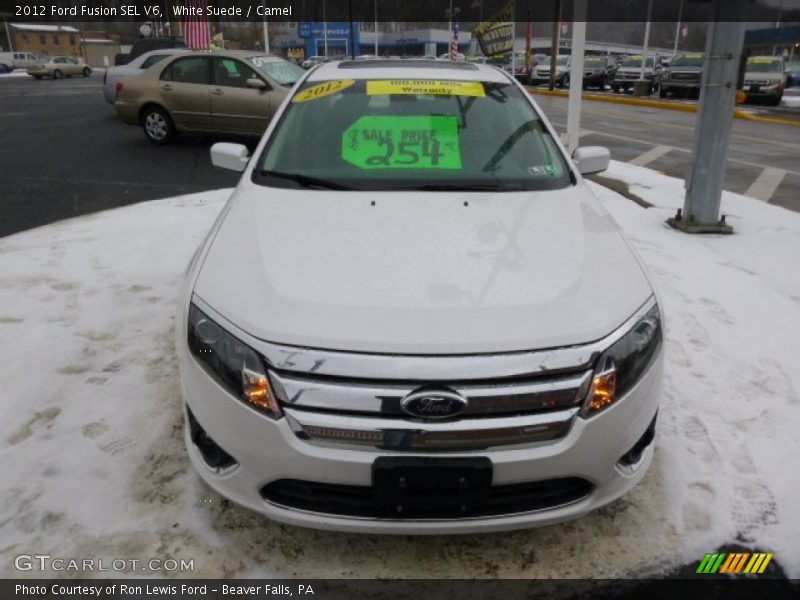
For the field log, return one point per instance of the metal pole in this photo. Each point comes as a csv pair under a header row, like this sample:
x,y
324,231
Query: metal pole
x,y
450,26
647,40
554,43
325,28
376,27
576,76
714,121
352,37
678,27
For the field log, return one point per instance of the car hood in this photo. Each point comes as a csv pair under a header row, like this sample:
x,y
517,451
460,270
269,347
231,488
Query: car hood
x,y
773,75
421,273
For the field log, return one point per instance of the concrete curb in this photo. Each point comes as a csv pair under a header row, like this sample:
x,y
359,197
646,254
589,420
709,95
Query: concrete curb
x,y
691,108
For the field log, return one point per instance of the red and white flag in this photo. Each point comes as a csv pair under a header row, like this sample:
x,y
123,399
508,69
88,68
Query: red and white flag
x,y
197,29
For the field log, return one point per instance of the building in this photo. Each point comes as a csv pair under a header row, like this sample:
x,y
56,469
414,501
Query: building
x,y
50,40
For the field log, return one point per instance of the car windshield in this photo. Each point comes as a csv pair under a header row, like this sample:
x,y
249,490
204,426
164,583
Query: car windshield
x,y
562,61
636,61
595,63
687,60
412,135
278,69
763,65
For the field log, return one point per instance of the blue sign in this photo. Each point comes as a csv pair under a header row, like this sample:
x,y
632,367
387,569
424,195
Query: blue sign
x,y
338,35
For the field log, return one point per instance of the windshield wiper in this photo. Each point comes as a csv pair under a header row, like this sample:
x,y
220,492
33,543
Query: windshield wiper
x,y
460,187
307,181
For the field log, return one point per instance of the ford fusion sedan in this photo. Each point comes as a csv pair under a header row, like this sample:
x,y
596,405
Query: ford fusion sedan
x,y
58,67
413,315
234,92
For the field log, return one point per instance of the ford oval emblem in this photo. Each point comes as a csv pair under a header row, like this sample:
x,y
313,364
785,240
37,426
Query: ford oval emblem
x,y
434,404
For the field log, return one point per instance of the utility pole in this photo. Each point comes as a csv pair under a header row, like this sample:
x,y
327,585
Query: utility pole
x,y
678,27
554,43
725,39
266,32
8,35
376,28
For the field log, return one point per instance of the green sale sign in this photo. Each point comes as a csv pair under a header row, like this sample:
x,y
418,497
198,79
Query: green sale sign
x,y
403,142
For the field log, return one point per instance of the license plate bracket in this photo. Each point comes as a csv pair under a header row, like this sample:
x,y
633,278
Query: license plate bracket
x,y
430,486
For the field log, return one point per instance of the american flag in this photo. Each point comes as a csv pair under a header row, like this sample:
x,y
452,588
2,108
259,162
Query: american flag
x,y
198,32
454,43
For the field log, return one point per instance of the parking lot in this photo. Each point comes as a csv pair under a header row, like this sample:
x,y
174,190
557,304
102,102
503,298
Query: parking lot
x,y
69,155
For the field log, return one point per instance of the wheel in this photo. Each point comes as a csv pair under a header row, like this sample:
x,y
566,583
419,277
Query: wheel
x,y
662,93
157,125
57,74
4,68
87,71
565,81
776,100
615,88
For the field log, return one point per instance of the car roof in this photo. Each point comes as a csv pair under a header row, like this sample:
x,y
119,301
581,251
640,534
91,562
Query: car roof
x,y
407,69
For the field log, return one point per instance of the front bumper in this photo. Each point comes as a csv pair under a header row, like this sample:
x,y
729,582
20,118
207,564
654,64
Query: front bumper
x,y
756,90
266,451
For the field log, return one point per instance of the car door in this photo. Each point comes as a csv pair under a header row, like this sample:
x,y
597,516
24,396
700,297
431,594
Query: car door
x,y
74,66
183,89
235,107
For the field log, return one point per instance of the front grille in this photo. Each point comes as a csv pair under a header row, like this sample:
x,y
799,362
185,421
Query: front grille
x,y
358,501
685,76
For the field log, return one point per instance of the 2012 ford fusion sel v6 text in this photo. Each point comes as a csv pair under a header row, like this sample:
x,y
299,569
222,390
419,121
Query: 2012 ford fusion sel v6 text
x,y
413,316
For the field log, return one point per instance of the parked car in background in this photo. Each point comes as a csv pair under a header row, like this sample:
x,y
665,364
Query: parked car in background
x,y
631,70
765,79
792,74
133,68
332,380
16,60
313,61
58,67
541,72
233,91
683,76
598,71
143,45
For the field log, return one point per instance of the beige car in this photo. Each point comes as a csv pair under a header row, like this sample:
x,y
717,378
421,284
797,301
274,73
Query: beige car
x,y
221,92
58,67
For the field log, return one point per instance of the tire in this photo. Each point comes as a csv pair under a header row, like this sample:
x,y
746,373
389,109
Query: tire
x,y
4,68
662,93
57,74
87,71
776,100
157,125
615,88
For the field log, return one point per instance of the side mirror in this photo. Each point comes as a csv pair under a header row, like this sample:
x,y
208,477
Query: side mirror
x,y
229,156
256,84
591,159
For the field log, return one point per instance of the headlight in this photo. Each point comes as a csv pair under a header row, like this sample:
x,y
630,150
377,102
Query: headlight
x,y
236,366
624,363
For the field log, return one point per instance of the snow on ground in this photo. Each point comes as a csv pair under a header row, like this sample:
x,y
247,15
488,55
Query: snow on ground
x,y
92,462
791,101
15,73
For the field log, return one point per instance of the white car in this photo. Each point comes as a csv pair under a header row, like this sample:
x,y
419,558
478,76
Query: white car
x,y
133,68
423,321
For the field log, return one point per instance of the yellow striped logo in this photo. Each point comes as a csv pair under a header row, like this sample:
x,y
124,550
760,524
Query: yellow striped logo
x,y
734,562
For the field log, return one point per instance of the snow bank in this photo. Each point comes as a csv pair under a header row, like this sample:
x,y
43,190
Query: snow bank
x,y
91,455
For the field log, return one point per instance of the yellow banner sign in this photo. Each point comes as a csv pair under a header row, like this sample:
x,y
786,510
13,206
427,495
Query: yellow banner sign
x,y
323,89
431,87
